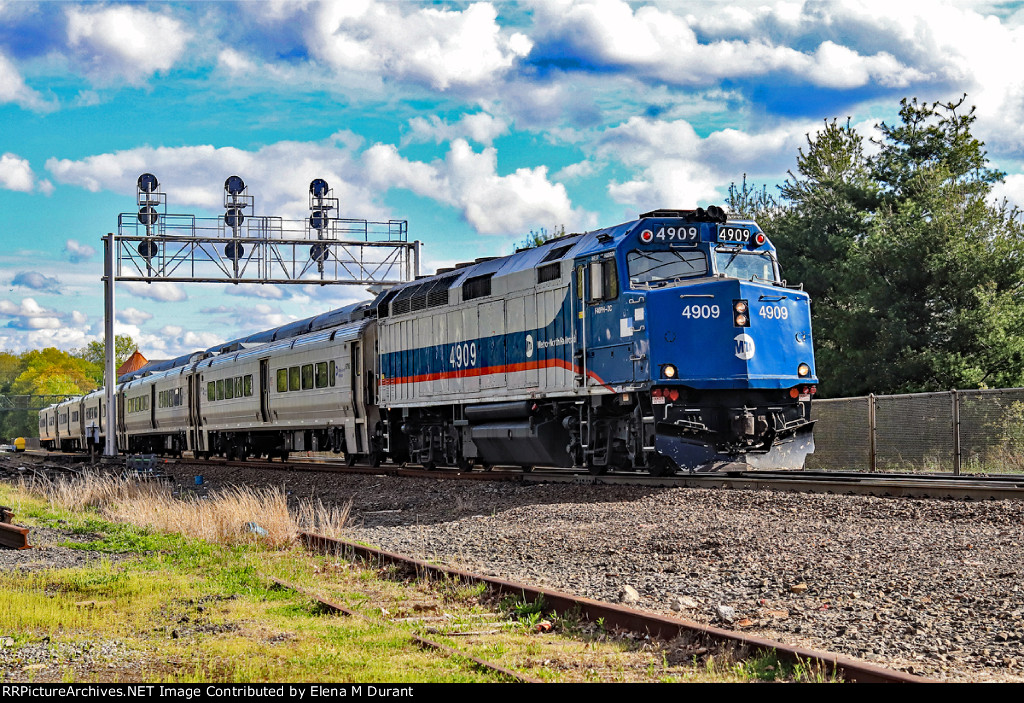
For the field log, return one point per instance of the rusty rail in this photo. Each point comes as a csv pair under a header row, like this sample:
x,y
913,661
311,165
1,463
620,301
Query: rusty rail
x,y
419,641
12,536
620,616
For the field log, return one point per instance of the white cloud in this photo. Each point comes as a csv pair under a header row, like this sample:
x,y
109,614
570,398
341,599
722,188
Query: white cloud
x,y
16,173
664,46
14,90
78,253
37,281
194,175
161,291
246,290
677,168
133,316
491,203
572,172
173,341
442,49
30,316
251,318
123,42
481,127
465,180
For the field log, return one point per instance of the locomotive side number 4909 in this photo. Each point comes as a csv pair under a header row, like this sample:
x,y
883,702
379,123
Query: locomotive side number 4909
x,y
463,356
697,312
774,312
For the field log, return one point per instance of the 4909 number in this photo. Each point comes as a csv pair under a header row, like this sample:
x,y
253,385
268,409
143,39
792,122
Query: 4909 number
x,y
463,356
702,312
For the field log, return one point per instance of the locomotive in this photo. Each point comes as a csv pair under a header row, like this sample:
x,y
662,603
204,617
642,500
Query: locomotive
x,y
667,342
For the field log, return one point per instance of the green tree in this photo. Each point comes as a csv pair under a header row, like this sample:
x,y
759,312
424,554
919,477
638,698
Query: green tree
x,y
540,236
10,367
914,275
53,372
96,354
943,265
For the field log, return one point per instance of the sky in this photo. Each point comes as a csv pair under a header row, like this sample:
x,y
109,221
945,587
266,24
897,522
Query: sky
x,y
477,122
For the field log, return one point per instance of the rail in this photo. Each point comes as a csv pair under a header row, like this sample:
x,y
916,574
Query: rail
x,y
618,615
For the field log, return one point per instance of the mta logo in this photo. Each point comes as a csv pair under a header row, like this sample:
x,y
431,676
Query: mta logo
x,y
744,346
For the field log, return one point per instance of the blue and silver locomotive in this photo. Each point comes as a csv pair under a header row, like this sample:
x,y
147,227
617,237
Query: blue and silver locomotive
x,y
670,341
667,342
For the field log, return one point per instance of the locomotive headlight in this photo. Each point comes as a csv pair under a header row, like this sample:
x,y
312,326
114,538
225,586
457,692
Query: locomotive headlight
x,y
803,370
740,313
668,371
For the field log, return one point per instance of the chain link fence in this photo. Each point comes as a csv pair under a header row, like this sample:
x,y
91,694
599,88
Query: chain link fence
x,y
951,432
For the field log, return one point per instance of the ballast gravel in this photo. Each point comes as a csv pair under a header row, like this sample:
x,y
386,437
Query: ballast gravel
x,y
927,586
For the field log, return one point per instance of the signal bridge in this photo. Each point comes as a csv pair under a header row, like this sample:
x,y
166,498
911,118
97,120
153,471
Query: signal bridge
x,y
240,247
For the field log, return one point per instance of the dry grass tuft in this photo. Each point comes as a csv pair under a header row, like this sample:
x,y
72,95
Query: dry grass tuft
x,y
236,515
326,520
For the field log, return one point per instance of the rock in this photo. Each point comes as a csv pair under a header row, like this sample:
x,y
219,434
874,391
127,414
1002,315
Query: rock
x,y
684,603
628,595
798,588
725,613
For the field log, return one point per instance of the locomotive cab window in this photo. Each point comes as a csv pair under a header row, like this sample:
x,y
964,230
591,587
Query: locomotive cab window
x,y
604,281
745,265
649,269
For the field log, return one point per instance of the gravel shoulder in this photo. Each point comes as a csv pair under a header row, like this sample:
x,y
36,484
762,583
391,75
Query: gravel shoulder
x,y
929,586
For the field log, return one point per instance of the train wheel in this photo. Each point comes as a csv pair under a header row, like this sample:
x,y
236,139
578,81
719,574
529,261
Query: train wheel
x,y
429,465
596,470
464,464
375,459
351,459
284,455
661,466
528,468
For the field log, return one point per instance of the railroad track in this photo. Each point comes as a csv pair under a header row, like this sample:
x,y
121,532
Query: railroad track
x,y
11,536
618,616
419,641
962,487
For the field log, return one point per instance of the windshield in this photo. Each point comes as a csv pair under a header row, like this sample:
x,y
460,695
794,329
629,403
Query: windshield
x,y
652,268
745,265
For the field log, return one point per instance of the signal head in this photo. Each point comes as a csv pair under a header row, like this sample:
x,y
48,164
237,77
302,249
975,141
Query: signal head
x,y
147,183
234,185
234,217
318,188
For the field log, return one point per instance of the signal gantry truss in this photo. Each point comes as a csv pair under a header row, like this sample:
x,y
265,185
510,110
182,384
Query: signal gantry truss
x,y
238,247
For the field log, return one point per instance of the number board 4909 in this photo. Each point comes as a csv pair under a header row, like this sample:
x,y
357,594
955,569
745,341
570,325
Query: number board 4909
x,y
670,234
733,234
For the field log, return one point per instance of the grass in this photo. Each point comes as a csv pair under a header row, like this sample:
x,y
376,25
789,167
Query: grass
x,y
164,606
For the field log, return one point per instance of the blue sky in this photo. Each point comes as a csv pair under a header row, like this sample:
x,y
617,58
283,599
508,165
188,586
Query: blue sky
x,y
474,121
